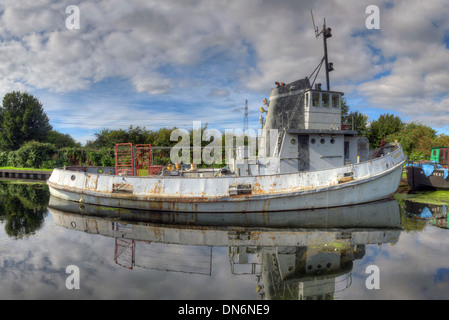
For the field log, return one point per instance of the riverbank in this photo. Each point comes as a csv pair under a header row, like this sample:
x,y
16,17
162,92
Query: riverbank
x,y
25,173
436,197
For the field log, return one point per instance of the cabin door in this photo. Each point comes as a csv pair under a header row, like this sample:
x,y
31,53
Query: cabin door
x,y
303,153
443,156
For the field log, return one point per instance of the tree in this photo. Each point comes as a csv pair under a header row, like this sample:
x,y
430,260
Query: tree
x,y
61,140
344,111
22,119
356,120
416,140
385,125
108,138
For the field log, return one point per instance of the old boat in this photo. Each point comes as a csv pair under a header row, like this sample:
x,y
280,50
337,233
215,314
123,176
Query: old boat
x,y
430,174
305,161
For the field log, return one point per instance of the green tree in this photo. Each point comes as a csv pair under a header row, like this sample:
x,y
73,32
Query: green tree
x,y
344,111
22,119
385,125
441,141
416,140
356,120
61,140
108,138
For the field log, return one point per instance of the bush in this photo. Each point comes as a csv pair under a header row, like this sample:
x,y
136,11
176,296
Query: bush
x,y
31,155
45,155
12,159
3,158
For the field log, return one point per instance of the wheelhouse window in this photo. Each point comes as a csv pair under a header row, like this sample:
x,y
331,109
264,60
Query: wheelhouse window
x,y
315,99
336,100
307,100
325,99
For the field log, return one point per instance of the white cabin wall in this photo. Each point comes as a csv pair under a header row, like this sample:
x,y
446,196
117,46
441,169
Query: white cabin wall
x,y
325,154
289,153
318,115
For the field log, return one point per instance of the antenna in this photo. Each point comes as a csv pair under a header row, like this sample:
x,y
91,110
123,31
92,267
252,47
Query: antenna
x,y
326,34
245,120
315,29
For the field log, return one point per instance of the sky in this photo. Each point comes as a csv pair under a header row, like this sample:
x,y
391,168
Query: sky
x,y
168,63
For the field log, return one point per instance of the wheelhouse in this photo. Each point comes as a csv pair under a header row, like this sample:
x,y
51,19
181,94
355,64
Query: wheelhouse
x,y
440,155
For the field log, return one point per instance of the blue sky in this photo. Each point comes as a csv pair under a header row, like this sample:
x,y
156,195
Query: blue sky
x,y
168,63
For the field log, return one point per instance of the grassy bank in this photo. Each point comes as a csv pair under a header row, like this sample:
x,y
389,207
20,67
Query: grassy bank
x,y
30,169
437,197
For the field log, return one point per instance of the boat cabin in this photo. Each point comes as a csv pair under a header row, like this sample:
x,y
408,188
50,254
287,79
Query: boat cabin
x,y
302,132
440,155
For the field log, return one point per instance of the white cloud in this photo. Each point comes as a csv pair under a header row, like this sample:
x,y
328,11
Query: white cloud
x,y
212,49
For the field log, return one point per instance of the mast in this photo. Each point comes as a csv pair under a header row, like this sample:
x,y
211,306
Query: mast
x,y
326,34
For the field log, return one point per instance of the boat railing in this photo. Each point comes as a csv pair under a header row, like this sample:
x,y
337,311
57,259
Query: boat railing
x,y
383,150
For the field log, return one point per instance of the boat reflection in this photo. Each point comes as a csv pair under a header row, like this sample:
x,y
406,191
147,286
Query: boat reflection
x,y
433,214
293,255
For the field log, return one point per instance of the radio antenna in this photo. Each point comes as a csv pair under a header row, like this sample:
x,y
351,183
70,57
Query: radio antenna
x,y
315,29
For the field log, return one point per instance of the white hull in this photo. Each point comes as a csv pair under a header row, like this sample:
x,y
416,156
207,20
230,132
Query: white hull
x,y
371,180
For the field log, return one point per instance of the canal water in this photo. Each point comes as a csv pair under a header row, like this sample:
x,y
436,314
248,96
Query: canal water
x,y
51,249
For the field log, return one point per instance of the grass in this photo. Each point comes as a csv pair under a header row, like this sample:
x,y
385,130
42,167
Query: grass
x,y
431,197
437,197
22,182
35,169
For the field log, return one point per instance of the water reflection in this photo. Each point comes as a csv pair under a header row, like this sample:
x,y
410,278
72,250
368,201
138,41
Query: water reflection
x,y
293,255
23,207
432,214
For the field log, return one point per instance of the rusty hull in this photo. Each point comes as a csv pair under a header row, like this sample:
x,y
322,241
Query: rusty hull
x,y
371,180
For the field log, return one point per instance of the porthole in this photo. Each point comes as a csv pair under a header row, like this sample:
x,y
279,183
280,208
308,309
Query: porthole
x,y
73,177
292,141
332,141
312,141
322,141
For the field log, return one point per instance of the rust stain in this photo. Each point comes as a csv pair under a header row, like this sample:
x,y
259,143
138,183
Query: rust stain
x,y
157,232
255,235
158,188
257,189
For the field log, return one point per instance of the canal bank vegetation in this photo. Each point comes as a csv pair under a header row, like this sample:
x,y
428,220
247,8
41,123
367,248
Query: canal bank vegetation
x,y
416,139
27,140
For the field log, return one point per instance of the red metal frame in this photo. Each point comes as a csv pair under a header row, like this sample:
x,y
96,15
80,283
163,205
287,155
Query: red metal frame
x,y
144,158
124,159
